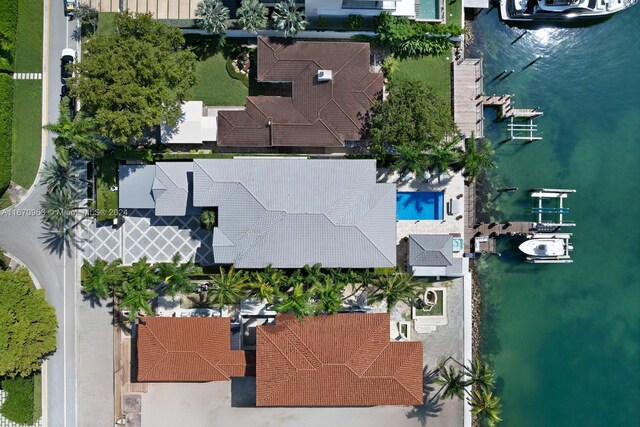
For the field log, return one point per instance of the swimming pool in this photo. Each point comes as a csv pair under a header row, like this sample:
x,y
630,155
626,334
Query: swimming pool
x,y
420,205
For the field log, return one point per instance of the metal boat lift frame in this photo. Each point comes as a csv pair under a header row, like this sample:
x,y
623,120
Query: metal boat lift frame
x,y
552,193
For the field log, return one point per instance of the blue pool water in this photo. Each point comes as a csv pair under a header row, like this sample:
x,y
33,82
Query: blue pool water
x,y
420,205
428,9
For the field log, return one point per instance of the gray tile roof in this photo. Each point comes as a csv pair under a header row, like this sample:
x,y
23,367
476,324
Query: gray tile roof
x,y
292,212
171,188
433,250
134,186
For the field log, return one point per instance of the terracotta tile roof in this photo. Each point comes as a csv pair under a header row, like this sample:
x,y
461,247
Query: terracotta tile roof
x,y
337,360
318,114
187,349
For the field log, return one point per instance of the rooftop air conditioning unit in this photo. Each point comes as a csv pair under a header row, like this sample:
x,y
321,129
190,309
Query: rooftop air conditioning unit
x,y
324,75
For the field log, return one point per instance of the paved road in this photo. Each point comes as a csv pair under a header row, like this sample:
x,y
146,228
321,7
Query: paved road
x,y
24,237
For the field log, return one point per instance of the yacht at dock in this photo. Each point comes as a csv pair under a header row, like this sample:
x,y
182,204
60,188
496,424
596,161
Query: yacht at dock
x,y
561,11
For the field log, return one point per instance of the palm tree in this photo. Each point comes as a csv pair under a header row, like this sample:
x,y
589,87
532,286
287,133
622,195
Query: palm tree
x,y
61,175
62,212
296,302
393,288
485,405
452,381
261,287
212,16
142,275
101,278
287,18
174,276
312,275
228,287
482,376
328,296
410,157
135,299
442,156
199,300
275,277
390,65
77,137
252,15
477,157
208,219
292,280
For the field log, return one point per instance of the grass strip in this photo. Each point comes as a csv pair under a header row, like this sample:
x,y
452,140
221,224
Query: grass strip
x,y
27,131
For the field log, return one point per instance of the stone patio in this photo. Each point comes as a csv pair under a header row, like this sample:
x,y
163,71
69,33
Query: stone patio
x,y
453,186
144,234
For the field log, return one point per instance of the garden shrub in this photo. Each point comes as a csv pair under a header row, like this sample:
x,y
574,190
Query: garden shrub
x,y
408,39
8,25
244,78
6,130
354,22
18,406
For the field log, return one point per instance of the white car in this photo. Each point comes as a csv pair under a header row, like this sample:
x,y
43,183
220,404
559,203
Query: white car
x,y
68,56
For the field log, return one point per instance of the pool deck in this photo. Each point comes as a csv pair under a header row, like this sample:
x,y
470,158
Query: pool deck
x,y
453,187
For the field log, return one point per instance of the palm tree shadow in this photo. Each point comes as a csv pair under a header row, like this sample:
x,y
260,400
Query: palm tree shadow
x,y
93,299
432,405
56,244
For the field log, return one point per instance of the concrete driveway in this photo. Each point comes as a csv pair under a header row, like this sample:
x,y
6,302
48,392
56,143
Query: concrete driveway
x,y
144,234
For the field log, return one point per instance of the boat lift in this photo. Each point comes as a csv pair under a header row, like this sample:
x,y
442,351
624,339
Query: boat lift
x,y
560,195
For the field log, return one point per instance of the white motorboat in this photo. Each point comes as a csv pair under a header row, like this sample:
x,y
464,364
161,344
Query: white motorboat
x,y
544,247
561,11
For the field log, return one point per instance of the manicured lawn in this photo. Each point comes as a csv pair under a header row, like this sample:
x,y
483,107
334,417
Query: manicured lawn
x,y
216,87
434,71
436,310
27,136
29,37
5,202
107,200
454,12
105,23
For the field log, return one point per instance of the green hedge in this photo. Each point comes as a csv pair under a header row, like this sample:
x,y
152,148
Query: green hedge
x,y
144,154
106,199
19,405
6,130
8,26
244,78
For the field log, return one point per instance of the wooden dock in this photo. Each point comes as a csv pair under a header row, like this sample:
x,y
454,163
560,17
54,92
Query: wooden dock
x,y
467,93
505,107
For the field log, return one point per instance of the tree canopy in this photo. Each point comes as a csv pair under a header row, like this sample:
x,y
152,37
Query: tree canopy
x,y
27,325
410,121
135,78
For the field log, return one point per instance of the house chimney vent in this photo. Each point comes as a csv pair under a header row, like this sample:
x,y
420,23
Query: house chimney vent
x,y
324,75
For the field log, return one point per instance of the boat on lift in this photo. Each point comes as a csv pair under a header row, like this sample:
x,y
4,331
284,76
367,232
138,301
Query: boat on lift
x,y
547,248
560,11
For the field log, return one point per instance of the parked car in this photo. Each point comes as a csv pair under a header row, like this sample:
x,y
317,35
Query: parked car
x,y
69,7
72,101
68,56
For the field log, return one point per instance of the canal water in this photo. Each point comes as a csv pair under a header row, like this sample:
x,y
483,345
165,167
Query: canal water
x,y
565,339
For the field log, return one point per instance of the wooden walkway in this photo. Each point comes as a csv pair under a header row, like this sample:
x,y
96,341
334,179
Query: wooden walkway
x,y
505,107
467,94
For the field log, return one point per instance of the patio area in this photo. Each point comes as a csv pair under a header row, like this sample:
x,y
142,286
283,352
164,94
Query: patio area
x,y
452,184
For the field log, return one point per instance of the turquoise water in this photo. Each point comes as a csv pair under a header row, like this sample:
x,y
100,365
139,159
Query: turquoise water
x,y
420,205
428,9
565,339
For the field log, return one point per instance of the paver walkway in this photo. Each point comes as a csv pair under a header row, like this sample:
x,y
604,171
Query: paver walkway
x,y
144,234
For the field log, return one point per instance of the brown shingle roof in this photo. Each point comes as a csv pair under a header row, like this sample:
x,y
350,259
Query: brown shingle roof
x,y
336,360
318,114
187,349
